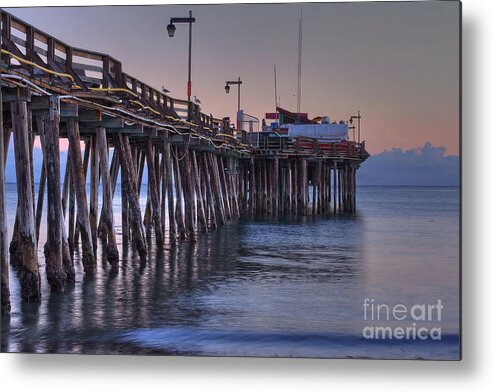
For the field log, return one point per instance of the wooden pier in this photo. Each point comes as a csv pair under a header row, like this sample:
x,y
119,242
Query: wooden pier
x,y
201,172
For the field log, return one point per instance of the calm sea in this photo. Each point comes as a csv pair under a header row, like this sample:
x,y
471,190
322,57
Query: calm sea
x,y
267,287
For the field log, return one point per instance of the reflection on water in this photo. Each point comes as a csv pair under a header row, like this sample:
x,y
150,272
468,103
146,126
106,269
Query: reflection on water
x,y
266,287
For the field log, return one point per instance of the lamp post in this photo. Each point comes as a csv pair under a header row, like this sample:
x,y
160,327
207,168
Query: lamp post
x,y
227,88
171,28
358,117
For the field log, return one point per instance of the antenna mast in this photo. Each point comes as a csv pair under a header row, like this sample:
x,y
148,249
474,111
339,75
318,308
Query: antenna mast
x,y
275,89
300,55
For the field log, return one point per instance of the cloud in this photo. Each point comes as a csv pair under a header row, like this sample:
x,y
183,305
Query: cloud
x,y
424,166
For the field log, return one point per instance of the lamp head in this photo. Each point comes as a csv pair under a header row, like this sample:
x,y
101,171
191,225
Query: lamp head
x,y
227,88
171,30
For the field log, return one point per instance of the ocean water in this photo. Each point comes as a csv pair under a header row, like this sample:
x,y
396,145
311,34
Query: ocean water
x,y
288,287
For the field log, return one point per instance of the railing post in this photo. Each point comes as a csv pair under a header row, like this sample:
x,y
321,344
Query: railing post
x,y
106,69
6,30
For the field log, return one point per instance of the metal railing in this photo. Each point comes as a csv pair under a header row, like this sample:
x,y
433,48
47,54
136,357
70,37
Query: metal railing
x,y
307,146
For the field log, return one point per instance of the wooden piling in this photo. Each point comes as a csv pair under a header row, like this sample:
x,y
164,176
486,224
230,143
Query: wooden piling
x,y
198,190
124,189
216,187
252,185
188,192
77,167
127,166
300,187
319,186
4,281
276,186
329,186
335,187
180,218
85,169
48,128
212,204
66,184
233,181
108,228
154,191
114,169
94,192
71,216
168,166
322,185
28,267
220,168
339,189
40,202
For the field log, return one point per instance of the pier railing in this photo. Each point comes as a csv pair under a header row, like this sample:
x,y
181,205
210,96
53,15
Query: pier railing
x,y
274,144
35,54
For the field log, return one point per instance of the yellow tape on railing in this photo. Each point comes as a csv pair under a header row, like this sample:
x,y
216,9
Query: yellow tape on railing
x,y
115,89
146,107
49,71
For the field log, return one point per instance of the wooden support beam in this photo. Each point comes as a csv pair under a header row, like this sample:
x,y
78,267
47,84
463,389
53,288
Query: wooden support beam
x,y
124,189
168,178
319,186
207,179
270,186
329,187
154,192
188,192
128,171
233,178
289,187
66,183
201,218
71,214
203,185
307,189
49,136
224,185
354,188
302,200
252,196
94,192
164,189
109,235
16,94
295,188
275,181
114,169
180,219
216,188
28,267
335,187
40,106
339,189
40,203
85,169
322,187
78,176
4,268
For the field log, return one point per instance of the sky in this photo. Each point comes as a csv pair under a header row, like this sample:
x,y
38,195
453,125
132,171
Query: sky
x,y
398,63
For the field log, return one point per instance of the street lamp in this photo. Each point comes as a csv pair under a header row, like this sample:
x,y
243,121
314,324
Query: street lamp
x,y
358,117
228,88
171,28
